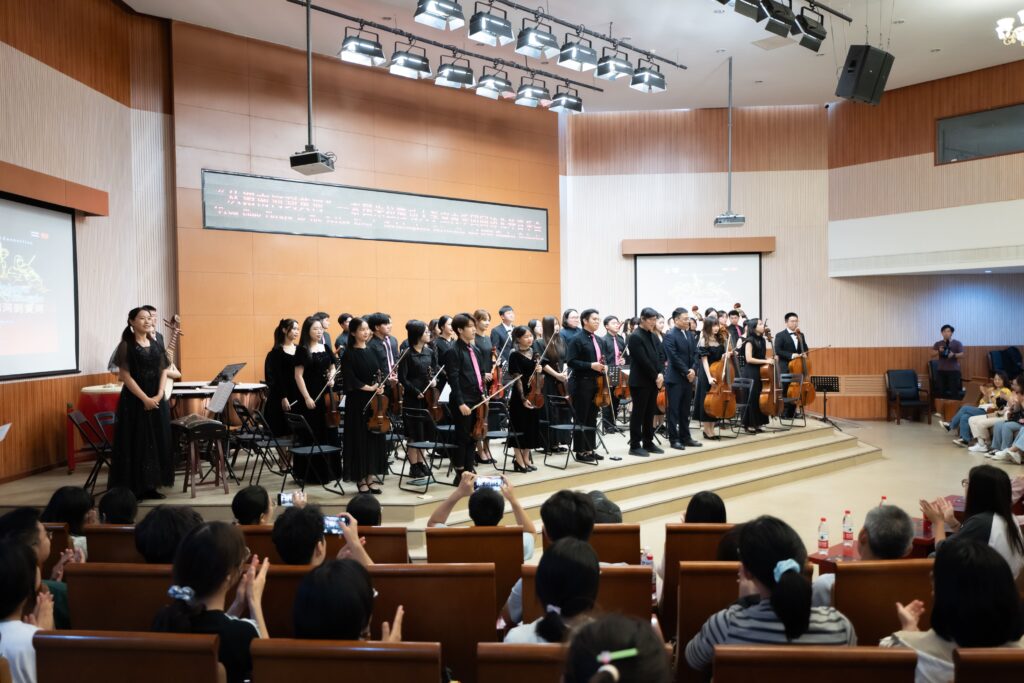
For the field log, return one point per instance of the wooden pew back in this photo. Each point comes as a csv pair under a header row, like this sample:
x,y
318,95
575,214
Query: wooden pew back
x,y
284,659
685,543
985,665
867,593
112,543
499,545
613,543
785,664
116,596
386,545
516,663
621,589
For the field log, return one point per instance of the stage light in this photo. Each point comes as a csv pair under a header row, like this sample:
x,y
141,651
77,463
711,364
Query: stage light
x,y
537,41
495,85
811,29
455,74
361,47
533,93
647,78
440,14
780,16
566,100
410,62
613,65
491,28
577,54
751,9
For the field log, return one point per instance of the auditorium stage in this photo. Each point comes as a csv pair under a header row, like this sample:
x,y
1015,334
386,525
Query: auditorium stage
x,y
644,488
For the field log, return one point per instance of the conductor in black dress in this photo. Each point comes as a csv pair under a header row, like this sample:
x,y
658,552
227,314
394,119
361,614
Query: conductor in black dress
x,y
464,367
789,346
586,360
680,376
645,379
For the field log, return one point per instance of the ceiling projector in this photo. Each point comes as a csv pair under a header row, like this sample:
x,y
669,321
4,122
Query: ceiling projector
x,y
730,220
312,161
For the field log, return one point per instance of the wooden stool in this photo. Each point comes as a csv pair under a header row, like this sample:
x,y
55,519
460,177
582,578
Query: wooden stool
x,y
205,431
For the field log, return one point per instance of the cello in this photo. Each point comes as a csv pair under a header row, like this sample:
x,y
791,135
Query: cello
x,y
770,400
803,392
720,401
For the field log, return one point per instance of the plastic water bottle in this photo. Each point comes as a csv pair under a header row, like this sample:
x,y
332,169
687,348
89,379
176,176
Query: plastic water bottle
x,y
847,529
884,501
647,560
822,536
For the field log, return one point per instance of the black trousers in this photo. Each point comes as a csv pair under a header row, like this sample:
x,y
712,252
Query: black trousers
x,y
583,391
641,420
680,396
949,383
465,446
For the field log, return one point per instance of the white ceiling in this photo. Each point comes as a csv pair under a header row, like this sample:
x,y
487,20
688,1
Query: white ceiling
x,y
929,38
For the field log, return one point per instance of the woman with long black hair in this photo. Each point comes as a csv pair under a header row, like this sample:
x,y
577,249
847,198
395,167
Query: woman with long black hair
x,y
314,371
279,371
416,375
755,353
365,451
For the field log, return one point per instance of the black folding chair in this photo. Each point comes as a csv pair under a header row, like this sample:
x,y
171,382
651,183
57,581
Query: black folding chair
x,y
96,442
271,451
432,447
787,380
314,452
743,388
561,405
499,411
104,420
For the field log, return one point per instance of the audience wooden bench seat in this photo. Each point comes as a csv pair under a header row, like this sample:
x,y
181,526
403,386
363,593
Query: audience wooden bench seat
x,y
112,543
103,656
986,665
5,671
518,663
685,543
499,545
786,664
867,593
284,659
622,589
110,596
387,545
60,540
614,543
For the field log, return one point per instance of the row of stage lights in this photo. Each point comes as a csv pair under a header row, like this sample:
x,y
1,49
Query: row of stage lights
x,y
783,21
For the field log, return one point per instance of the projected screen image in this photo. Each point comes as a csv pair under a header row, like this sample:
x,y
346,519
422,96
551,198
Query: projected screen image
x,y
703,280
38,319
233,201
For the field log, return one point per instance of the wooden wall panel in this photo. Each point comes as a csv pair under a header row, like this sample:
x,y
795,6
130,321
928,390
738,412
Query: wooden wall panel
x,y
43,187
239,106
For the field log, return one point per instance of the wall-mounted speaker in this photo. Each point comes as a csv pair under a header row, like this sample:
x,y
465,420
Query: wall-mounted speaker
x,y
864,74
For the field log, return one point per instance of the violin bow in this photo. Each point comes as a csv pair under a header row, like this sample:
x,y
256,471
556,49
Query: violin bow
x,y
436,374
515,378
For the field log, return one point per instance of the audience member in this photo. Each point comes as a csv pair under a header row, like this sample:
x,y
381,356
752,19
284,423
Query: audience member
x,y
254,506
299,538
19,588
729,546
1004,433
487,507
72,505
211,560
987,515
605,511
617,649
365,508
989,395
567,579
976,604
118,506
888,534
160,532
981,426
772,558
22,526
564,514
706,507
335,602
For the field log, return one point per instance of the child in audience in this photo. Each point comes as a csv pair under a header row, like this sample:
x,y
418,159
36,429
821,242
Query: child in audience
x,y
160,532
976,604
118,506
22,526
567,579
211,560
72,505
617,649
299,537
335,602
987,515
253,506
772,558
19,585
366,508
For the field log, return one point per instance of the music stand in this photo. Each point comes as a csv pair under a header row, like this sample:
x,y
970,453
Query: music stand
x,y
825,384
227,374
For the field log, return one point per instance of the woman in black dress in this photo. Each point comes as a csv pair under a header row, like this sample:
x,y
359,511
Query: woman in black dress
x,y
523,416
755,353
314,370
279,371
488,353
711,348
556,383
416,374
365,451
142,459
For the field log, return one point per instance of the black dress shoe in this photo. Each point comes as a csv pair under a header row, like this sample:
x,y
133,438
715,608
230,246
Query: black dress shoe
x,y
584,457
678,445
595,456
531,467
653,449
153,495
693,443
375,491
639,452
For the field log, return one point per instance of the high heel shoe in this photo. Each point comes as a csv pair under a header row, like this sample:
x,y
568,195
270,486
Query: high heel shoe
x,y
523,469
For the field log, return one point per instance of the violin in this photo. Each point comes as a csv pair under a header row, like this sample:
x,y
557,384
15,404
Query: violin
x,y
379,422
482,409
496,371
396,392
563,387
535,388
720,401
770,400
431,396
603,397
333,416
804,392
622,391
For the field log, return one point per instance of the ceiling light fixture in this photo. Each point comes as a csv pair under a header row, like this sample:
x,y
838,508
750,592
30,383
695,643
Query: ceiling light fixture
x,y
647,78
537,40
1009,34
780,16
810,26
361,47
495,85
489,27
566,100
409,61
578,54
533,93
614,64
751,9
440,14
457,74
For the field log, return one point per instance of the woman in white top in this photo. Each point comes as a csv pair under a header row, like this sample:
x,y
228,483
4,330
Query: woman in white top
x,y
976,604
20,583
567,579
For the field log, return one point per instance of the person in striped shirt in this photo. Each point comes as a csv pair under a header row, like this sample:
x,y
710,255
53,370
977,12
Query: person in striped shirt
x,y
772,558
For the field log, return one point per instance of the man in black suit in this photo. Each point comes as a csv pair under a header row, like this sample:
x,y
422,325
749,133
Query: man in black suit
x,y
463,365
788,346
502,331
645,379
325,322
586,360
735,330
382,343
614,346
679,378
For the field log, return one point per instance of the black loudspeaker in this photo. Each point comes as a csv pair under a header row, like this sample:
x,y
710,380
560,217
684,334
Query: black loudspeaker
x,y
864,74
